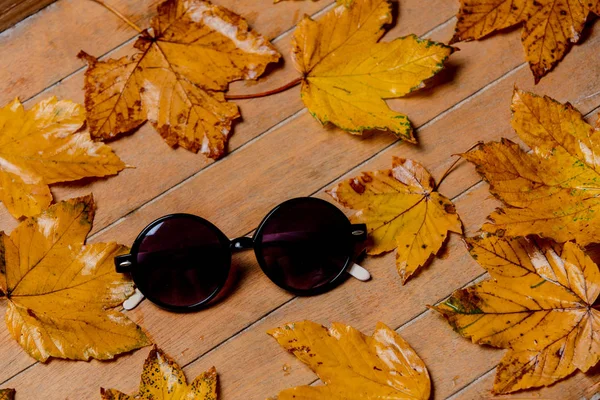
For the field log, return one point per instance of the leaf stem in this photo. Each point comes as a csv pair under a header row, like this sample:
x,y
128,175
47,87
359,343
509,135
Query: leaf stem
x,y
263,94
445,175
118,14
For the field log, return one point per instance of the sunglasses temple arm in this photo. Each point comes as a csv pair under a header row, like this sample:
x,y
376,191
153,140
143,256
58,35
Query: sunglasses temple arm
x,y
134,300
359,272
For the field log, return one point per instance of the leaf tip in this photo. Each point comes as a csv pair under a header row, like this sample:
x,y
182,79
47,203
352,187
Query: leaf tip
x,y
82,55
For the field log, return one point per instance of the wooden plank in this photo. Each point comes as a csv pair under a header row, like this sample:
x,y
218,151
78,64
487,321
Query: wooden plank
x,y
43,50
260,175
580,386
240,205
132,188
129,192
13,11
183,163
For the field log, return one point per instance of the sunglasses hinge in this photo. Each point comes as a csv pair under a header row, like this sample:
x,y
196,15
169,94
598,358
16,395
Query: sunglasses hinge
x,y
123,263
359,232
242,243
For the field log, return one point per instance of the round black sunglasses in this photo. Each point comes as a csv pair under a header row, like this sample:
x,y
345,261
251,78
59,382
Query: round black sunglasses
x,y
182,262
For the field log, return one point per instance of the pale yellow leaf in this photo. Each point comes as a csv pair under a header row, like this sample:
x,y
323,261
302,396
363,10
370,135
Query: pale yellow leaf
x,y
42,146
552,191
348,75
353,365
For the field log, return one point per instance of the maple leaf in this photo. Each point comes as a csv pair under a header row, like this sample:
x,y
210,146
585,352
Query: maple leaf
x,y
353,365
347,75
402,210
345,2
7,394
163,379
42,146
61,293
177,78
549,26
538,304
551,192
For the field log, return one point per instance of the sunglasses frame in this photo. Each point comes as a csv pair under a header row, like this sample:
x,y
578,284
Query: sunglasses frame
x,y
126,263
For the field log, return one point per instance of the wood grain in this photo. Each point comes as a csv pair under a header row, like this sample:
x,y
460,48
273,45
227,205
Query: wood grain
x,y
13,11
277,152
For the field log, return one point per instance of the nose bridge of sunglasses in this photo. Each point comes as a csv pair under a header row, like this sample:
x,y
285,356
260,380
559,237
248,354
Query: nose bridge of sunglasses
x,y
242,243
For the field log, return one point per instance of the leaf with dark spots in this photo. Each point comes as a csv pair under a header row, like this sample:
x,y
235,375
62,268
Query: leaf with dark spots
x,y
402,210
353,365
550,330
63,295
178,78
553,190
549,26
163,379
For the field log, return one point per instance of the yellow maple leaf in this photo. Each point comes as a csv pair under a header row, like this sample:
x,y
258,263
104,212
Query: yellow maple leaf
x,y
402,210
549,26
177,79
62,294
553,191
7,394
42,146
538,304
353,365
347,75
345,2
163,379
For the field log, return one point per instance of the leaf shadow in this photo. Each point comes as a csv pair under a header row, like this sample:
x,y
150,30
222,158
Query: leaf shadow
x,y
588,29
395,13
80,183
446,76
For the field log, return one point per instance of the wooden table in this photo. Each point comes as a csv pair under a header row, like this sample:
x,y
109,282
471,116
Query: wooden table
x,y
278,151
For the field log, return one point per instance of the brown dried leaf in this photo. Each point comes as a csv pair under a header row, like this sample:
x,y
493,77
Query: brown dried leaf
x,y
549,26
176,81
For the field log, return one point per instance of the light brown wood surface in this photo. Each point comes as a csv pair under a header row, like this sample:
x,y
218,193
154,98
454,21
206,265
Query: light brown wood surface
x,y
278,151
13,11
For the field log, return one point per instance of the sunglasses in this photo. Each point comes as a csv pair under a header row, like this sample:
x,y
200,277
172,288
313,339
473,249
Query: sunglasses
x,y
182,262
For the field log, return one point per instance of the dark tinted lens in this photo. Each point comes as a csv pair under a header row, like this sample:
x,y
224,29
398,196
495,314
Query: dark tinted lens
x,y
181,261
305,244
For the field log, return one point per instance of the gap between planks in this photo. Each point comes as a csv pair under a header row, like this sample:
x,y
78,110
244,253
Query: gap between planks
x,y
272,129
19,11
287,120
276,126
277,38
457,197
262,134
